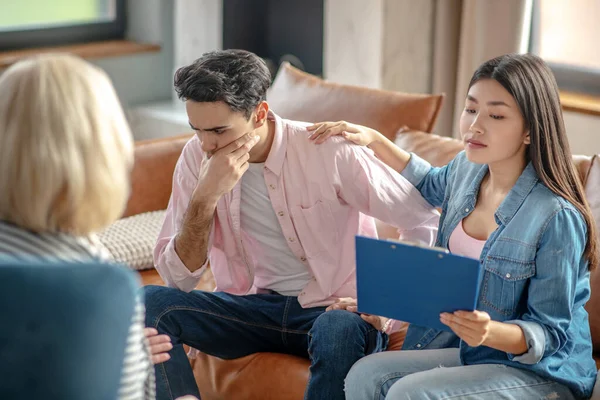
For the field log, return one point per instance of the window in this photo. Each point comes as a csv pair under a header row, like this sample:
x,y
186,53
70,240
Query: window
x,y
567,35
39,23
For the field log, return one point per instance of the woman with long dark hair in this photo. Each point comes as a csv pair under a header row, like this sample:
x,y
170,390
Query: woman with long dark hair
x,y
514,201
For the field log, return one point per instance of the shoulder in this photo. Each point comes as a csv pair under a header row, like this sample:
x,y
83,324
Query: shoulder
x,y
546,203
47,245
192,153
189,162
334,147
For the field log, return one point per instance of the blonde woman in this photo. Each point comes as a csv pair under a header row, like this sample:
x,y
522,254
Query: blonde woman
x,y
65,155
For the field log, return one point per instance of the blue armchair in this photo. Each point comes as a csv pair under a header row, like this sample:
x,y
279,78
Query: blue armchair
x,y
63,329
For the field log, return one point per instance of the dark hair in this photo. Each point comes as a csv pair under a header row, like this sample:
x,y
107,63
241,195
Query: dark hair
x,y
238,78
533,86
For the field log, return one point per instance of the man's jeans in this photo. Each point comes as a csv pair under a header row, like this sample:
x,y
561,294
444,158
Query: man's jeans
x,y
229,326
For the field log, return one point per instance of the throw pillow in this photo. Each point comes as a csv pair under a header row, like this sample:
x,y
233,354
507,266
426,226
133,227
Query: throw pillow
x,y
131,240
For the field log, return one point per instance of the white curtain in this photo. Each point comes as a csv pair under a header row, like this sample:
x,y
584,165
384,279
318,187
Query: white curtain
x,y
466,34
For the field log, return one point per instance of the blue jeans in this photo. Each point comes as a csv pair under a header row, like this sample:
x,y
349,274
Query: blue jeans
x,y
438,374
229,326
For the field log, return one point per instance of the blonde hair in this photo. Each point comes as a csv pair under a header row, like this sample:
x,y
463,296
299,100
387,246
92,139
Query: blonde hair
x,y
65,147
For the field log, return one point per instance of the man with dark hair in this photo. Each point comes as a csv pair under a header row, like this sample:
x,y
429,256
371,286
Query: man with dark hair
x,y
276,216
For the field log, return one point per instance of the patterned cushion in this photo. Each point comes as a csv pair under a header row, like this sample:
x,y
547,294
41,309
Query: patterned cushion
x,y
131,240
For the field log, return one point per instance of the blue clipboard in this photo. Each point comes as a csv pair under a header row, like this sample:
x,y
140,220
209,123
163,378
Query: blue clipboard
x,y
414,284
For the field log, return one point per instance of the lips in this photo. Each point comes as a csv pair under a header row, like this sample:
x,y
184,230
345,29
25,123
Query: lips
x,y
475,144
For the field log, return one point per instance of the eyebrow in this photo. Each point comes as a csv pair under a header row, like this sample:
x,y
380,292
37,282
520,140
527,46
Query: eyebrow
x,y
490,103
216,128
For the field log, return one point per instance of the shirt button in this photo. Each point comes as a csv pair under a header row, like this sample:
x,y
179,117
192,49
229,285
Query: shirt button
x,y
291,239
466,210
281,213
419,345
302,259
507,276
272,187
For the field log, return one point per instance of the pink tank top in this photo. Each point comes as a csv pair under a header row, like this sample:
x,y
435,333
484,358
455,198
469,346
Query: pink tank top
x,y
462,244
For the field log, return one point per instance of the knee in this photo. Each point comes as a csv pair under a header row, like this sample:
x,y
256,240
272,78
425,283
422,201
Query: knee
x,y
157,300
339,324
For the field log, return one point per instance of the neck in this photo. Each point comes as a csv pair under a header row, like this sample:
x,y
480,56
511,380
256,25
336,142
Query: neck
x,y
260,151
504,174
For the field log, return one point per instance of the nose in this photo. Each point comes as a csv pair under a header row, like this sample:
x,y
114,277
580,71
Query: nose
x,y
476,126
207,143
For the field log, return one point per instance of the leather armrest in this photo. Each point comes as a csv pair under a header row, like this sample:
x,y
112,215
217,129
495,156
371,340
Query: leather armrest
x,y
152,174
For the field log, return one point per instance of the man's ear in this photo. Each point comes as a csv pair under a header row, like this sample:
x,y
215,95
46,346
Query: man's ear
x,y
260,116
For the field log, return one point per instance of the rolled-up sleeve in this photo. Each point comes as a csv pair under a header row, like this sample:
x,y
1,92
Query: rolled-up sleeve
x,y
535,339
166,260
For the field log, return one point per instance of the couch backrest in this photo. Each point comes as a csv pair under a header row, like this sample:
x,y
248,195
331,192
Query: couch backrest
x,y
303,97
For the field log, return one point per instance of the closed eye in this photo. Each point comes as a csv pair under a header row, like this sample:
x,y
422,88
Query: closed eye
x,y
496,116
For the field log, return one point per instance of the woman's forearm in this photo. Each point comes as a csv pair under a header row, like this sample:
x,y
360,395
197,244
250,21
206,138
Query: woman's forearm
x,y
508,338
392,155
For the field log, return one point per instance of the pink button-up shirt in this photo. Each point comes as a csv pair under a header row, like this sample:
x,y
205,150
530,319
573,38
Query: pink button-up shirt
x,y
324,195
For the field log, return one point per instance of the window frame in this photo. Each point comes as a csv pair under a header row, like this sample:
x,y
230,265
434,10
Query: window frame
x,y
67,34
570,78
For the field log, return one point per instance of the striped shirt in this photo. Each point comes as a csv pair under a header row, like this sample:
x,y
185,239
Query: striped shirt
x,y
137,378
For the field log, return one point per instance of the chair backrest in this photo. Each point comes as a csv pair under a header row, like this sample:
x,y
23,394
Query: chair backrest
x,y
64,329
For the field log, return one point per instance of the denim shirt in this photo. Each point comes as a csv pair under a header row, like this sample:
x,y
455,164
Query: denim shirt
x,y
535,274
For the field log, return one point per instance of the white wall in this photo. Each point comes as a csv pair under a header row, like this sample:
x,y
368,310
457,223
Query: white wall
x,y
584,133
144,78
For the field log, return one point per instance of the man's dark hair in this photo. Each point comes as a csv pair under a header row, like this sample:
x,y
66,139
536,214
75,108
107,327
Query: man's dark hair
x,y
238,78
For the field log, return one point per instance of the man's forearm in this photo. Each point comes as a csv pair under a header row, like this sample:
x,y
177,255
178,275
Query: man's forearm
x,y
191,243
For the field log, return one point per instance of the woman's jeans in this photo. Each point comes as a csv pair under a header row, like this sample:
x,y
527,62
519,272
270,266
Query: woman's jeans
x,y
438,374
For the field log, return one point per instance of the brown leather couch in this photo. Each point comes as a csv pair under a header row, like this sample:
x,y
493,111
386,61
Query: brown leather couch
x,y
295,95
